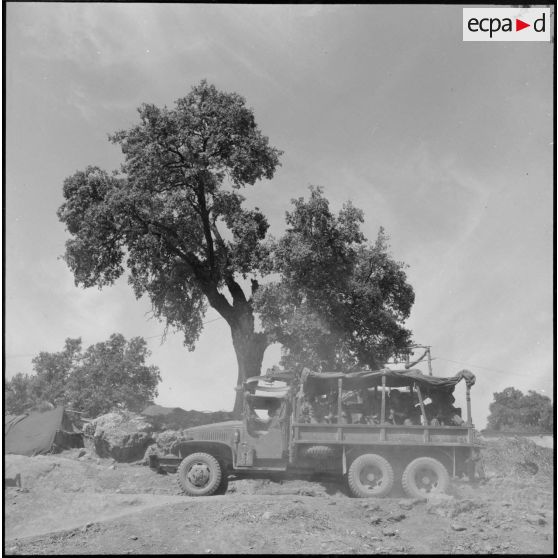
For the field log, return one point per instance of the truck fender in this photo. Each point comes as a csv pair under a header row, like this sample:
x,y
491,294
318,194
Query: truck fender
x,y
220,450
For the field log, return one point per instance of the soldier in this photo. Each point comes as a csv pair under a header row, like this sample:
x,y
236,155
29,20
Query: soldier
x,y
395,410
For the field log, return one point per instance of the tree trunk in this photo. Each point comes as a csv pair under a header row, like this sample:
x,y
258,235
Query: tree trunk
x,y
249,347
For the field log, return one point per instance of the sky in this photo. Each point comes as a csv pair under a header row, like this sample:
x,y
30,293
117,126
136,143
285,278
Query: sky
x,y
446,144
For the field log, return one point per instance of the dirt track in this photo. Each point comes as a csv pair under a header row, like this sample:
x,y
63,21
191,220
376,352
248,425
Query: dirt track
x,y
70,506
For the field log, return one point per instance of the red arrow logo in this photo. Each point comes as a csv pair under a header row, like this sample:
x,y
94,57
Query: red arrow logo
x,y
519,25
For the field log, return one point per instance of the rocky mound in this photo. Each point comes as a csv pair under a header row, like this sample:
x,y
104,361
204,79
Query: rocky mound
x,y
124,436
174,418
517,456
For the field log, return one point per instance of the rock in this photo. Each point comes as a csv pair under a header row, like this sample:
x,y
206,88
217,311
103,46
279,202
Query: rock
x,y
374,519
332,503
389,532
134,538
266,515
465,506
306,492
535,520
82,453
409,503
371,507
398,517
458,527
124,436
440,504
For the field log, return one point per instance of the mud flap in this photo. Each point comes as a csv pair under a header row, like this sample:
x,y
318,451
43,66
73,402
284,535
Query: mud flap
x,y
344,461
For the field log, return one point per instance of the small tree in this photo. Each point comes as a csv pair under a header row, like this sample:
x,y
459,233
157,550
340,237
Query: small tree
x,y
340,303
512,410
113,374
18,396
52,372
108,375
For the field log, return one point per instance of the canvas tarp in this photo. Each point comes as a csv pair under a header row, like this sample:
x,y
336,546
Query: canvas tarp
x,y
322,382
40,432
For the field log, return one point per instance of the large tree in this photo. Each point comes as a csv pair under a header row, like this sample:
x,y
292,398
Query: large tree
x,y
175,219
108,375
339,303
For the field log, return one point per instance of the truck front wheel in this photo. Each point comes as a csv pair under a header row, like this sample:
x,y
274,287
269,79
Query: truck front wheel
x,y
199,474
370,475
224,486
424,476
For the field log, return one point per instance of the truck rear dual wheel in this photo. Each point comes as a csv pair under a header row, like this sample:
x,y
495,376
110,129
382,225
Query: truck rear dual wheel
x,y
200,474
423,477
370,475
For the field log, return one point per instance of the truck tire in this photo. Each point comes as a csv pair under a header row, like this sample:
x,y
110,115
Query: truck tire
x,y
223,487
318,453
199,474
370,475
424,476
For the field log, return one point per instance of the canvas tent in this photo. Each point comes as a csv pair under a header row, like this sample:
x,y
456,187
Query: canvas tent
x,y
39,432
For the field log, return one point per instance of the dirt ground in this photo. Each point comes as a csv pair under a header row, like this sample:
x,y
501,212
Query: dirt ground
x,y
70,505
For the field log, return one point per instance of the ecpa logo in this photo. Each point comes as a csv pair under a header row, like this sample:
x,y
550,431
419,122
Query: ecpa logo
x,y
506,24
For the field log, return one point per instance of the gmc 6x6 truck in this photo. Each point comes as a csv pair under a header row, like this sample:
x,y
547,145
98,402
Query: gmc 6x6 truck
x,y
373,428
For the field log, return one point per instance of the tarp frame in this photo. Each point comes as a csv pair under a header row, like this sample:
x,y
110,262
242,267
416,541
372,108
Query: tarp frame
x,y
323,382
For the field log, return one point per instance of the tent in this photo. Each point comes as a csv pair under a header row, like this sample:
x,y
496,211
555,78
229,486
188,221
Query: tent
x,y
39,432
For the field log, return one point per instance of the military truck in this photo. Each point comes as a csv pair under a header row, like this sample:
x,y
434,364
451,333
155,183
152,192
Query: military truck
x,y
356,438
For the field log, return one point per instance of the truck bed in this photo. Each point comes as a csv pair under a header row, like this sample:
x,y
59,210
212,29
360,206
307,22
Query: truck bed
x,y
388,434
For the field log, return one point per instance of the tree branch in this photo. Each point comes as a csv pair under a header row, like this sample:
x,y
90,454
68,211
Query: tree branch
x,y
206,283
204,214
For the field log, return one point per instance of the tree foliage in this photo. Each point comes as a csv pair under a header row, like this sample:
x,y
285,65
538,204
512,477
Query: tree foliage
x,y
108,375
17,394
339,302
513,410
174,217
173,220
